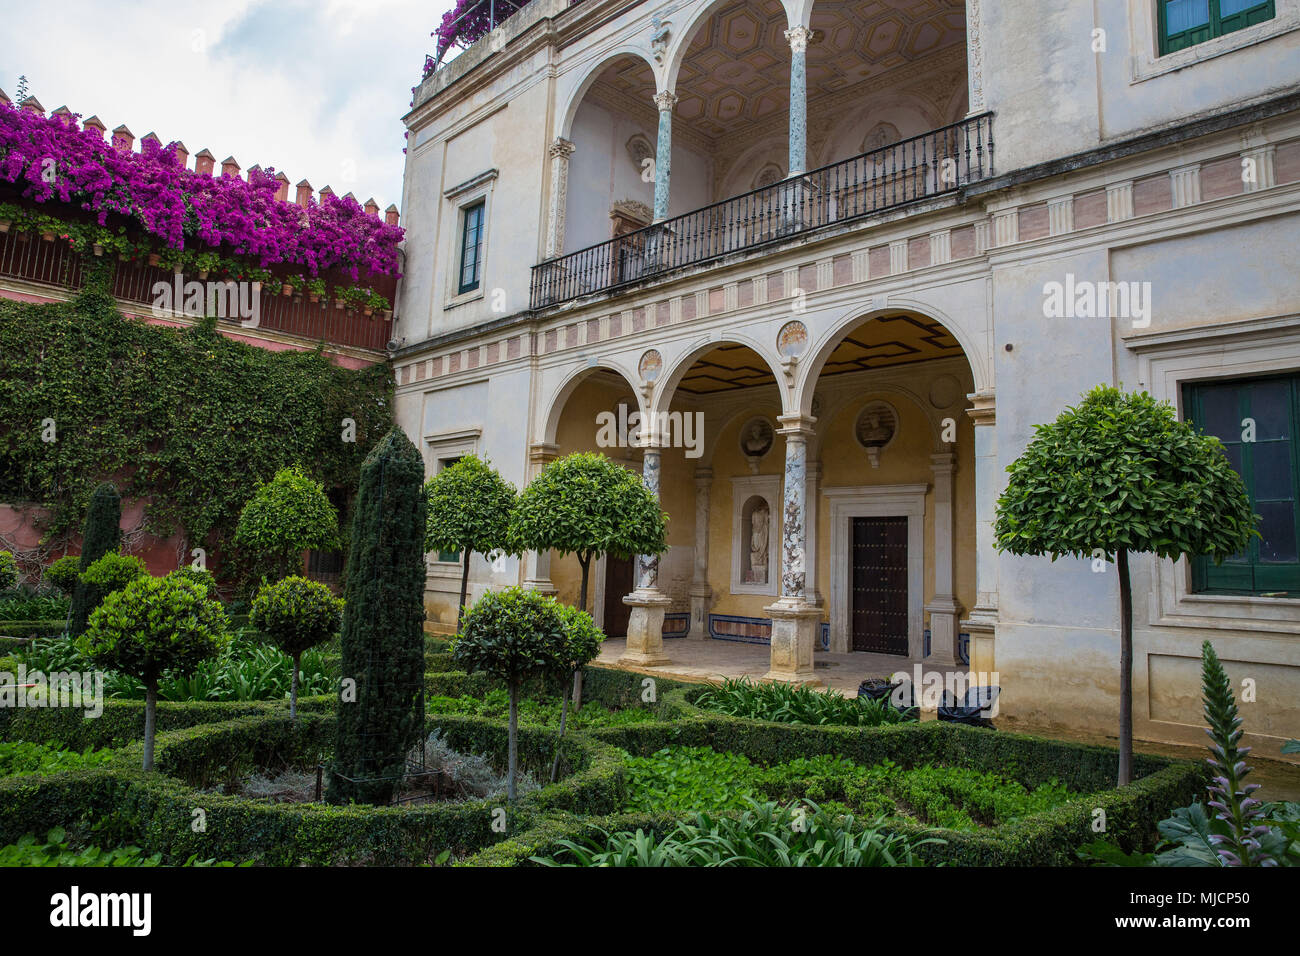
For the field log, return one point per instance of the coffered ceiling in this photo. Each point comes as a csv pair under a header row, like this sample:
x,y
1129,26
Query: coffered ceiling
x,y
736,70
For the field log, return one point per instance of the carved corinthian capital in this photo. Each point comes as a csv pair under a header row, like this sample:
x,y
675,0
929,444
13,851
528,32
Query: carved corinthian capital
x,y
665,100
798,38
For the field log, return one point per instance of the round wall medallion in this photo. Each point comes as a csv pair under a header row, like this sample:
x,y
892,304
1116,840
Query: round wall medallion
x,y
944,391
756,438
876,426
792,339
651,364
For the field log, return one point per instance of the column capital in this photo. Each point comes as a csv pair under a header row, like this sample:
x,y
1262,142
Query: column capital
x,y
984,408
543,453
562,148
796,426
799,37
665,100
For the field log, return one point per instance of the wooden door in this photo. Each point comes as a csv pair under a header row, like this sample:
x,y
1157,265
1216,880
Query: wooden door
x,y
618,583
878,584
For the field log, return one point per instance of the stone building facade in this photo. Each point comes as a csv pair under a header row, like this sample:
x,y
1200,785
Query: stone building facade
x,y
845,256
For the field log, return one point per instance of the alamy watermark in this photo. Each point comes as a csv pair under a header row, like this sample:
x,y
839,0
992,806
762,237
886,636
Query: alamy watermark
x,y
236,301
36,689
1084,299
663,430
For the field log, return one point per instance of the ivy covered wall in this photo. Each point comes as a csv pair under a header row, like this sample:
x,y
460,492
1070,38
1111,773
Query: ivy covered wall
x,y
184,418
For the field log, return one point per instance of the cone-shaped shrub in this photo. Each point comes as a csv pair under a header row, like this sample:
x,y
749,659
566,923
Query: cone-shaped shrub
x,y
381,702
102,534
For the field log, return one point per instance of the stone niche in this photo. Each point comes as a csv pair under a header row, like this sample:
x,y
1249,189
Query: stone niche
x,y
755,534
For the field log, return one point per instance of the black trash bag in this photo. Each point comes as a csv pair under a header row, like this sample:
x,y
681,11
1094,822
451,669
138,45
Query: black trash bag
x,y
876,688
973,710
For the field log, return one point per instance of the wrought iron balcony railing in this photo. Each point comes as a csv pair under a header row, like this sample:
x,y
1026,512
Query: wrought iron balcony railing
x,y
932,164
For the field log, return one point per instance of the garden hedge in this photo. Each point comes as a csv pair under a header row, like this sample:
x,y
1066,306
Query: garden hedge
x,y
158,811
200,744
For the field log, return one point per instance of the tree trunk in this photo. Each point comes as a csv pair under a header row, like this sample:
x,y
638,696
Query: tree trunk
x,y
464,589
150,719
1125,670
293,689
582,606
512,732
559,740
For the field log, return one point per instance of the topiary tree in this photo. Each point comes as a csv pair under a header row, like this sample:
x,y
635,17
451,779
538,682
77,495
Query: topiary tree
x,y
8,571
64,573
1119,474
469,510
113,572
587,506
515,634
102,533
297,614
286,516
581,645
150,626
383,626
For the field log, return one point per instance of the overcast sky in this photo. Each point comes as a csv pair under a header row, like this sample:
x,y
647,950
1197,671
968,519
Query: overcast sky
x,y
315,88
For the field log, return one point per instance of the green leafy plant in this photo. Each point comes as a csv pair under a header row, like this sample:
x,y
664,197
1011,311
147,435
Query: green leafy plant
x,y
1230,798
287,515
200,576
469,508
516,635
8,571
783,703
764,834
586,505
1115,475
383,626
151,626
23,757
113,572
101,535
298,614
63,573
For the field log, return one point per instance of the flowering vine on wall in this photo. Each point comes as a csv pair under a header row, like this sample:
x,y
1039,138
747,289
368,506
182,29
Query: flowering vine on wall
x,y
53,160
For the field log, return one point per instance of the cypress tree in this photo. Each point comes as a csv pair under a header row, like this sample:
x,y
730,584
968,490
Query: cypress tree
x,y
383,626
102,533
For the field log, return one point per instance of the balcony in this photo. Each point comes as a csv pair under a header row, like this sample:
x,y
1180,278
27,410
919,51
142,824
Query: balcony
x,y
933,164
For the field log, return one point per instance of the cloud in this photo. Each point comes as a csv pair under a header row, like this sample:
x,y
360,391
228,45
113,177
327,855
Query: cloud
x,y
314,89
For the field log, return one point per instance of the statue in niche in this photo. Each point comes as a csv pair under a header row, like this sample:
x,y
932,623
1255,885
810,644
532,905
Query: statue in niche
x,y
758,541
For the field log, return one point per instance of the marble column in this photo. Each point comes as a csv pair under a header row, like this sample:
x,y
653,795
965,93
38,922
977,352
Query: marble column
x,y
798,40
537,575
982,622
794,619
645,627
701,593
943,608
561,150
812,491
665,100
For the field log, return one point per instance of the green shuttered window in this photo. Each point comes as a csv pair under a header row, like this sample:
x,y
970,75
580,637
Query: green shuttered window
x,y
1256,419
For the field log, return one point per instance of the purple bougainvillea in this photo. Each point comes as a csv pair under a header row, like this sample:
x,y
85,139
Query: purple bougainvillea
x,y
468,21
54,160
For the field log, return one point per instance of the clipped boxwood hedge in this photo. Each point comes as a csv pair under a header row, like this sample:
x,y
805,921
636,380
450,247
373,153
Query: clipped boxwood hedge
x,y
200,744
158,811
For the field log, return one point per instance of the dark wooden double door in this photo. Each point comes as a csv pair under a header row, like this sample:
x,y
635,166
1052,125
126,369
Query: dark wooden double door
x,y
878,585
619,575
